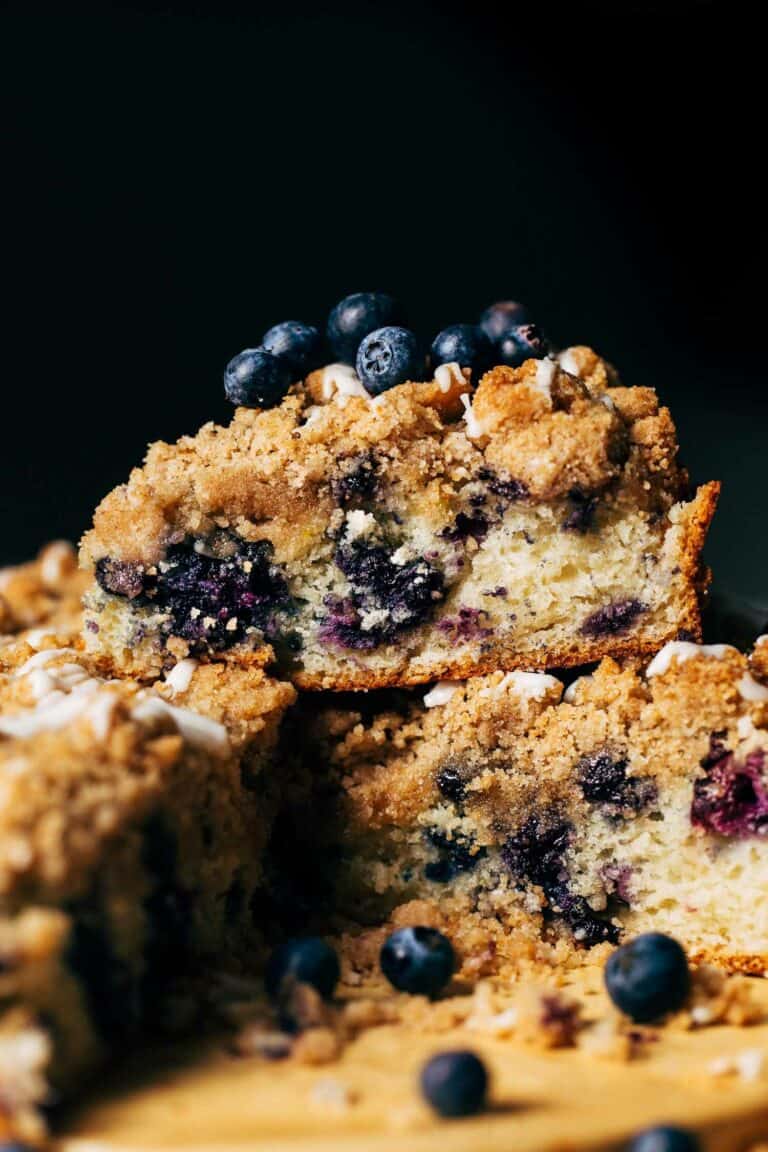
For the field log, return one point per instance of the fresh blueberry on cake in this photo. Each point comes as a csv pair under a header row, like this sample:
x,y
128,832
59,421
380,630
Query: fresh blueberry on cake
x,y
354,318
498,318
521,343
297,344
462,344
257,377
373,528
388,357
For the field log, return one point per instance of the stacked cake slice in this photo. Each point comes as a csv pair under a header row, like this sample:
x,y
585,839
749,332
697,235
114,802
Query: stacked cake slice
x,y
525,820
434,530
423,560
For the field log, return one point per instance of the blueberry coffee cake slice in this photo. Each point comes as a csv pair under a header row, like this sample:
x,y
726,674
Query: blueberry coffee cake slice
x,y
393,525
526,820
132,825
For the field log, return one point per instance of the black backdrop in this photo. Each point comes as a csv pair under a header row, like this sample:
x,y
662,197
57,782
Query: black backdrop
x,y
177,177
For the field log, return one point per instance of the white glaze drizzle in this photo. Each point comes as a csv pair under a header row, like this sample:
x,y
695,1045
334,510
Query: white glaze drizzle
x,y
567,361
751,690
341,381
180,677
545,374
683,650
527,685
36,636
67,692
474,426
446,375
441,693
196,730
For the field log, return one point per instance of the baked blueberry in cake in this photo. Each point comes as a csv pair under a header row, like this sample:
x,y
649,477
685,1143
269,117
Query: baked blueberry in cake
x,y
391,524
133,821
524,819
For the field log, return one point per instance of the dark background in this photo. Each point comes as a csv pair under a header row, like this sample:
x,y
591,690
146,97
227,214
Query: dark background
x,y
177,177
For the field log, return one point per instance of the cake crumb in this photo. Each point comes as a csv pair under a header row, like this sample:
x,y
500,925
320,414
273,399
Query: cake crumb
x,y
547,1018
719,998
333,1095
748,1065
317,1046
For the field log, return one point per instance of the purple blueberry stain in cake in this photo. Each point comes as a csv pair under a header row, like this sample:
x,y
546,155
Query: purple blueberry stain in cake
x,y
213,600
452,779
474,524
211,597
561,1016
604,781
587,927
501,592
385,599
123,577
467,624
535,854
581,516
613,619
357,480
91,626
455,855
506,487
617,881
731,798
343,625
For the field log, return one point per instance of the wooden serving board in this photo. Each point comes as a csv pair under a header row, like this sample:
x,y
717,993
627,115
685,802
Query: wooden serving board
x,y
203,1098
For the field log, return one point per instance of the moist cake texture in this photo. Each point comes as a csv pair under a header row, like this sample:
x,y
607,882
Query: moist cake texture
x,y
540,519
133,821
528,821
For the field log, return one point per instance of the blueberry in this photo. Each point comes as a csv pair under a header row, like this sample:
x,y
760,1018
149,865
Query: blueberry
x,y
354,318
664,1139
418,960
455,1083
463,344
613,619
307,960
500,317
648,977
517,345
296,344
256,379
387,357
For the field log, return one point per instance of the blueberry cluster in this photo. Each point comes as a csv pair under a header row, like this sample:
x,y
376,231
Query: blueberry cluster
x,y
730,798
535,854
365,329
211,599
